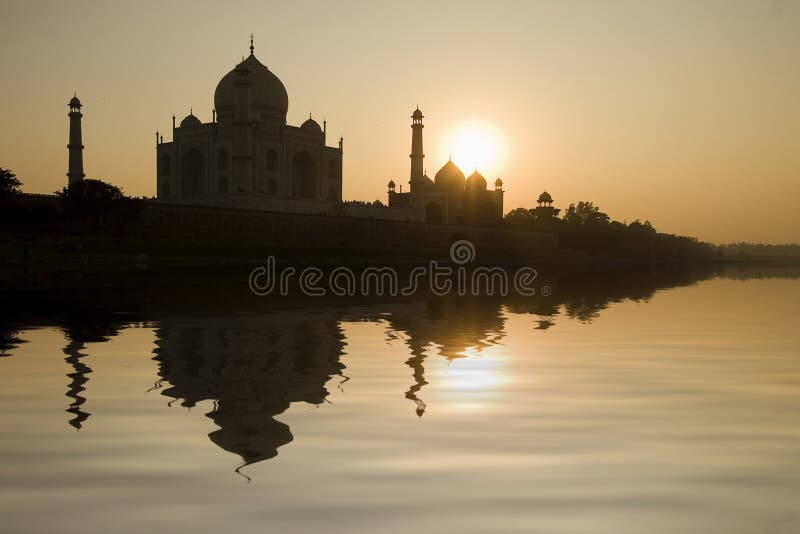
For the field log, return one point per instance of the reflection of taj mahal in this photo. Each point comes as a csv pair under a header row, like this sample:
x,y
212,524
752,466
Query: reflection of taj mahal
x,y
248,157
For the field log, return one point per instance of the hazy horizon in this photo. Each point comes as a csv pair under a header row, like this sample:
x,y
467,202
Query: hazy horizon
x,y
683,113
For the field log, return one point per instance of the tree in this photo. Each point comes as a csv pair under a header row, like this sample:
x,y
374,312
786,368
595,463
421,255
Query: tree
x,y
90,190
9,183
584,214
92,197
519,217
644,227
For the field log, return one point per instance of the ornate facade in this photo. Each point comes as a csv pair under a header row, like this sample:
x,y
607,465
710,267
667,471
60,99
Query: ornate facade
x,y
248,148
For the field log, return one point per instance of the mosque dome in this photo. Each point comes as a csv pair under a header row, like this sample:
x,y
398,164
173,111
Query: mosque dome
x,y
545,198
476,181
267,91
311,125
417,114
190,121
498,183
74,102
449,175
391,184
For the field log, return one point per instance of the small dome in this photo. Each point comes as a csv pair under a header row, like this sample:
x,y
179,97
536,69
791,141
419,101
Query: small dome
x,y
391,183
190,121
498,183
74,102
417,114
476,181
311,125
449,175
545,198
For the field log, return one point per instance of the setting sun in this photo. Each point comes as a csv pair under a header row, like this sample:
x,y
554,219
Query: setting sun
x,y
475,146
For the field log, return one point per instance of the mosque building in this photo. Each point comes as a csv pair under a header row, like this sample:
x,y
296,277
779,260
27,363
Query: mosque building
x,y
450,197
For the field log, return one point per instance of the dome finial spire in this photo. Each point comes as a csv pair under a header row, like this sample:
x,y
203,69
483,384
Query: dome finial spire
x,y
252,48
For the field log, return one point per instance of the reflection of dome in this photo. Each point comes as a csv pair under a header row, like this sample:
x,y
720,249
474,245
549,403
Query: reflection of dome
x,y
267,91
476,181
190,121
311,125
417,114
74,102
545,198
450,174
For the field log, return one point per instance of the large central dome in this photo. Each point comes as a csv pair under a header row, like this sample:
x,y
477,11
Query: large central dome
x,y
267,92
449,175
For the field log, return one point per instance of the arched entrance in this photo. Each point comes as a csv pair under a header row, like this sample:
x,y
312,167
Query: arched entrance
x,y
192,173
304,176
433,213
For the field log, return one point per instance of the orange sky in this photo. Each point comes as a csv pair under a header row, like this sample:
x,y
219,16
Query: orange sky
x,y
684,113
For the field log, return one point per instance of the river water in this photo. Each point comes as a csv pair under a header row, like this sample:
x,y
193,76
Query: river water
x,y
652,402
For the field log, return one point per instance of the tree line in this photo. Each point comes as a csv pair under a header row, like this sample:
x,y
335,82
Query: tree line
x,y
585,228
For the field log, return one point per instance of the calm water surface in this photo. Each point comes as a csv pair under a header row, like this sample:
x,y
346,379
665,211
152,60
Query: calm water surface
x,y
671,408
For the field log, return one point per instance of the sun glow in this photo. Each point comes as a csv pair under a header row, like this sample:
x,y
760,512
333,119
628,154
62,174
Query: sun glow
x,y
475,146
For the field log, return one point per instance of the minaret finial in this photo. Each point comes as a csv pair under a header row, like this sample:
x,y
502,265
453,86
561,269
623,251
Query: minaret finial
x,y
252,48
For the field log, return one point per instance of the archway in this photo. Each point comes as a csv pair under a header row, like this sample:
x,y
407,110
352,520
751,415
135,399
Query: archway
x,y
304,175
192,173
433,213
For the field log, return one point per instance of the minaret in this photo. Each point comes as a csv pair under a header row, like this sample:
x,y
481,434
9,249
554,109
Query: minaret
x,y
417,157
75,145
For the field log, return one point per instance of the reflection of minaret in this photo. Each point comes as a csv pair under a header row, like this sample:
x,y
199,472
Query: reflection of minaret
x,y
81,327
417,156
79,378
451,326
416,363
75,145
